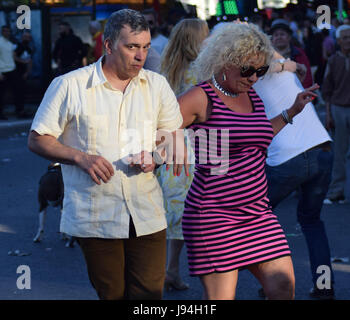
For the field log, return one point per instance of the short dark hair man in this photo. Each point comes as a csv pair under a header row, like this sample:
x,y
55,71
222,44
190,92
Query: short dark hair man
x,y
104,113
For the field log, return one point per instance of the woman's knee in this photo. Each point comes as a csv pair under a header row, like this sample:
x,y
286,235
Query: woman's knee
x,y
282,287
220,286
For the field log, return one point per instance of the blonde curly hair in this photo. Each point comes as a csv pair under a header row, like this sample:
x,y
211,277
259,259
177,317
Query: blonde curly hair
x,y
233,44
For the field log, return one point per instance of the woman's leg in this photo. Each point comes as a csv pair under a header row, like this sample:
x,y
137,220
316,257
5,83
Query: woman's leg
x,y
276,277
173,277
220,286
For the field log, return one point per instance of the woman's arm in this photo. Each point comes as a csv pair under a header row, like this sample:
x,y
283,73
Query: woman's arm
x,y
193,107
303,98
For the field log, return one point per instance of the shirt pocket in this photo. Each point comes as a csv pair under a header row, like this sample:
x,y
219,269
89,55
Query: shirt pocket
x,y
146,126
151,196
94,129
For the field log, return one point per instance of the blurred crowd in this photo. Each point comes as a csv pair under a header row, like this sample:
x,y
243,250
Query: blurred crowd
x,y
313,52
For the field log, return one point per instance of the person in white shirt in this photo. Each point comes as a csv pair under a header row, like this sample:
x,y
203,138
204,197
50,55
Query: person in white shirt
x,y
94,120
158,40
9,78
299,159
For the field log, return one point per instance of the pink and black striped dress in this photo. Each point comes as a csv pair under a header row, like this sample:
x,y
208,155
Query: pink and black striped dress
x,y
227,222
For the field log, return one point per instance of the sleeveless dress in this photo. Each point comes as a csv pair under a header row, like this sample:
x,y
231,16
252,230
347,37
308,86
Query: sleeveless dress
x,y
228,223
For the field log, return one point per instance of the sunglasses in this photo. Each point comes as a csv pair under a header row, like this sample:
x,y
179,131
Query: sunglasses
x,y
247,72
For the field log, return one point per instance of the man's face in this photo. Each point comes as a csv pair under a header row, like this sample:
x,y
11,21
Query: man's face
x,y
151,21
344,40
63,29
26,37
129,52
6,33
280,38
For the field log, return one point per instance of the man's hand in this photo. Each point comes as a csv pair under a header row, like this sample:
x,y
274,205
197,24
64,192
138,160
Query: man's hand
x,y
329,119
301,71
290,65
96,166
50,148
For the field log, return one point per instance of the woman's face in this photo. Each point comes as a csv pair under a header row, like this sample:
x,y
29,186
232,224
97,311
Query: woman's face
x,y
238,84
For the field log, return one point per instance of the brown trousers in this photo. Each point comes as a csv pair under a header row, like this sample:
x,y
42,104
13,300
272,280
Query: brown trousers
x,y
132,269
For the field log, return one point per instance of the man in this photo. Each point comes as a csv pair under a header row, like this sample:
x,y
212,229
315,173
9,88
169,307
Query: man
x,y
103,114
336,93
158,40
299,159
69,50
9,78
24,61
281,37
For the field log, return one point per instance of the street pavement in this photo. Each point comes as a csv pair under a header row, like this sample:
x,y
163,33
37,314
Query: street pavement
x,y
59,273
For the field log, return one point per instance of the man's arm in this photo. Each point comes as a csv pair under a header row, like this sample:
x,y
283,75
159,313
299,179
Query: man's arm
x,y
327,90
48,147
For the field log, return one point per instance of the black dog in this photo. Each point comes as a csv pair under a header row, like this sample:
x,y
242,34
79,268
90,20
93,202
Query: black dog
x,y
51,192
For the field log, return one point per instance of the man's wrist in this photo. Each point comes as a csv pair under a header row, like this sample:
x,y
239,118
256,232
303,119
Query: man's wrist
x,y
158,159
281,62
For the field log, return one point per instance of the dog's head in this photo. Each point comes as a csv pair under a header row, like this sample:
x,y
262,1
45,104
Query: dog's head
x,y
51,188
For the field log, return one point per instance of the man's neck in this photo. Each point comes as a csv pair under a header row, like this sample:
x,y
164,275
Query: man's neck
x,y
284,51
117,80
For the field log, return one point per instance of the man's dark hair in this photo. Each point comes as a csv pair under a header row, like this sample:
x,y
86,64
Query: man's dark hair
x,y
134,19
64,23
150,11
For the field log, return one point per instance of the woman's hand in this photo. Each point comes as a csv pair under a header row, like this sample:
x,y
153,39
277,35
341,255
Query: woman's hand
x,y
302,99
179,154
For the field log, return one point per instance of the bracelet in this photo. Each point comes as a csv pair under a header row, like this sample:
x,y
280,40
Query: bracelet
x,y
286,118
281,62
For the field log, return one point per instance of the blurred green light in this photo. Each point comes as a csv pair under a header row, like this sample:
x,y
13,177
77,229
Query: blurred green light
x,y
230,7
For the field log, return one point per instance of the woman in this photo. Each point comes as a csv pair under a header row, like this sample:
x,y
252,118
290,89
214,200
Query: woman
x,y
227,222
183,47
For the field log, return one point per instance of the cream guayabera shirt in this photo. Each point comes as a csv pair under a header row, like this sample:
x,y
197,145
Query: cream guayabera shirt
x,y
83,111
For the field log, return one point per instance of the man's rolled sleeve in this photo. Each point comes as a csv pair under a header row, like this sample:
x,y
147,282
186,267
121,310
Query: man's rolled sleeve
x,y
51,116
169,117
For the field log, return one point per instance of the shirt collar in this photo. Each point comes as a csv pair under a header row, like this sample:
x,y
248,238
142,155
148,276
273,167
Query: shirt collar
x,y
98,77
